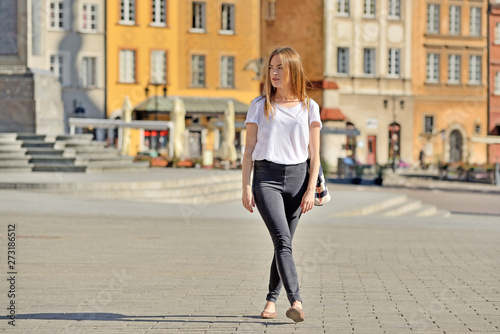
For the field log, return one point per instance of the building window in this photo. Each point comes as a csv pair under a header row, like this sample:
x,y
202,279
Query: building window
x,y
369,8
343,7
227,72
58,66
197,71
395,9
127,9
428,124
454,65
159,12
158,73
88,72
394,62
455,20
127,66
497,83
432,68
475,70
433,18
369,62
343,61
36,28
475,21
227,18
271,10
56,15
198,24
89,18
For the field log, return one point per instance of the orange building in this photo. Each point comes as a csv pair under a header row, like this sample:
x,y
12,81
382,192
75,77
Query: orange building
x,y
159,50
494,83
449,80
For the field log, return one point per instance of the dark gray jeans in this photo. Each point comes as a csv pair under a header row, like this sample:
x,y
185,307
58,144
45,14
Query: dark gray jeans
x,y
278,191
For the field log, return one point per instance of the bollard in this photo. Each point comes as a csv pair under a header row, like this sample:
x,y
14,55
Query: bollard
x,y
497,174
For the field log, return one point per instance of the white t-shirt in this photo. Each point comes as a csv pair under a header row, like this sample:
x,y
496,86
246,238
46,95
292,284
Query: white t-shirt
x,y
284,138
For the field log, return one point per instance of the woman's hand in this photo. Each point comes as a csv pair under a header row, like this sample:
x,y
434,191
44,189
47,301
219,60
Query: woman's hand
x,y
247,199
307,201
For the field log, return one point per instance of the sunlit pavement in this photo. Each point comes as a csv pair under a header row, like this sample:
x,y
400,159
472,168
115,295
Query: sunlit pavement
x,y
109,266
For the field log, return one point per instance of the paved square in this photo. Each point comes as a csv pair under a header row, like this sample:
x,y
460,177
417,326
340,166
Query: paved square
x,y
107,266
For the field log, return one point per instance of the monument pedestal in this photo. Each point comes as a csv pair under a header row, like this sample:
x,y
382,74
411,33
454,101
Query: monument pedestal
x,y
31,102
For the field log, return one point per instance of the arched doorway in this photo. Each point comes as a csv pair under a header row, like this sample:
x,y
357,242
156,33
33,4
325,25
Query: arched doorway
x,y
394,143
351,144
456,145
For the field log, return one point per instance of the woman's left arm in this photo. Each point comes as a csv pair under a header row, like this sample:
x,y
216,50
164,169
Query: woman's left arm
x,y
308,198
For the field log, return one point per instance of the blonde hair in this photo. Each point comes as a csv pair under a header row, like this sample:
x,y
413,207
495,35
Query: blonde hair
x,y
294,71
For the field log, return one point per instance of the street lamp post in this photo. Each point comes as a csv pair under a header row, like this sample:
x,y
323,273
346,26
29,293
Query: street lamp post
x,y
156,85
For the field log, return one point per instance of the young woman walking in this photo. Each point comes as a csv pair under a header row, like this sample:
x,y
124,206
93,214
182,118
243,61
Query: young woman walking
x,y
283,129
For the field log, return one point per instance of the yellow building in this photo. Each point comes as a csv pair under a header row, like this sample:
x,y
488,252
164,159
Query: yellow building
x,y
195,49
449,80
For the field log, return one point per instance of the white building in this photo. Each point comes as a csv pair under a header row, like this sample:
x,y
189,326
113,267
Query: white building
x,y
67,37
368,55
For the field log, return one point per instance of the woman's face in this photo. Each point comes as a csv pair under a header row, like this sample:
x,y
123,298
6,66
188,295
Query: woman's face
x,y
277,73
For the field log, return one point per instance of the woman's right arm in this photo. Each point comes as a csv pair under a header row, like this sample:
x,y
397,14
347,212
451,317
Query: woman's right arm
x,y
251,140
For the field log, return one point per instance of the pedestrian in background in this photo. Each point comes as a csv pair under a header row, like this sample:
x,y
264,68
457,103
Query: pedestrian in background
x,y
283,129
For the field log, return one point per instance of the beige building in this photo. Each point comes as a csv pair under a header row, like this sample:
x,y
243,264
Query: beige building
x,y
31,95
67,37
368,56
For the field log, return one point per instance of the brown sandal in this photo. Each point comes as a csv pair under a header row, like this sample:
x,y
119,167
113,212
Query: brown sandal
x,y
268,315
296,314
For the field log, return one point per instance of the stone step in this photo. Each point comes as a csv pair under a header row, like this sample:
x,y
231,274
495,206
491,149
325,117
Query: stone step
x,y
425,210
92,149
53,159
33,151
17,169
7,137
98,155
216,197
14,163
11,146
118,167
80,143
85,136
54,167
13,154
401,208
375,208
162,195
104,160
31,137
37,144
443,214
79,188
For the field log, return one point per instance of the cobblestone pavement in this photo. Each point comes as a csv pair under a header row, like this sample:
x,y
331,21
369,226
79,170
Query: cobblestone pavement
x,y
87,266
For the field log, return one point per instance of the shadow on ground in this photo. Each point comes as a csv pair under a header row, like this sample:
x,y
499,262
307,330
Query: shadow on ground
x,y
181,318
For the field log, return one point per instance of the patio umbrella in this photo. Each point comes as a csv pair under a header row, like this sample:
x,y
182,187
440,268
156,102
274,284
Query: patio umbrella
x,y
127,110
178,117
228,150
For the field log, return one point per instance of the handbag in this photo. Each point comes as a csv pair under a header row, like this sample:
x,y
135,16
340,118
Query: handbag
x,y
321,193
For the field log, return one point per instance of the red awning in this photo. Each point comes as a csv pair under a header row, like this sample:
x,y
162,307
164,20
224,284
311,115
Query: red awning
x,y
332,114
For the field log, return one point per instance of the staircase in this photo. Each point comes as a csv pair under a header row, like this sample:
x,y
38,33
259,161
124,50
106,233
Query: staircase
x,y
213,188
67,153
399,206
13,156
